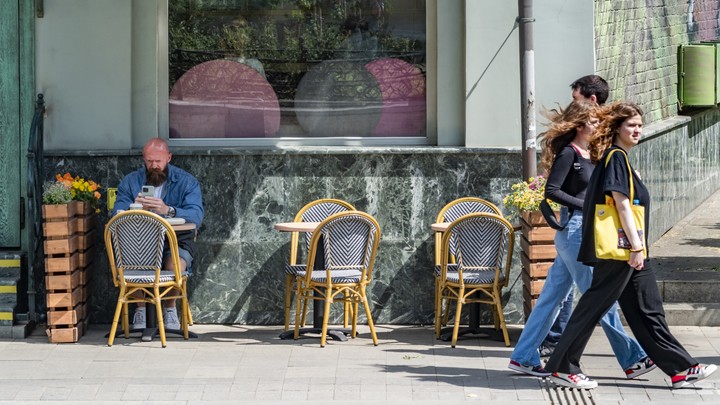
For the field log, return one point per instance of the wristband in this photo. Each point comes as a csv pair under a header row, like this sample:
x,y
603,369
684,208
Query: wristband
x,y
637,250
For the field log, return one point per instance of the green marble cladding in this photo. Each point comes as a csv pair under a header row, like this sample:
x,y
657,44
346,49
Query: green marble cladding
x,y
238,270
239,264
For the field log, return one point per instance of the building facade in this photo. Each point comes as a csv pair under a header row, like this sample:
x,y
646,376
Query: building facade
x,y
110,86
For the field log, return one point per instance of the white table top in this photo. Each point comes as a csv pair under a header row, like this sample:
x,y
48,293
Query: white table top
x,y
296,226
187,226
440,226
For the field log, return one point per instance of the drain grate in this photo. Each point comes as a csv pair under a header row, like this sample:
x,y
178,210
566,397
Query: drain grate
x,y
563,395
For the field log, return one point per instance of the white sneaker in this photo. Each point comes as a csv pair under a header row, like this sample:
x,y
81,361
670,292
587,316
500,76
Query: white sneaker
x,y
139,318
641,367
692,375
579,381
170,318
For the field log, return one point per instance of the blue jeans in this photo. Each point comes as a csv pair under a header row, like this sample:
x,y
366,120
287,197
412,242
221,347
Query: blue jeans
x,y
553,337
564,271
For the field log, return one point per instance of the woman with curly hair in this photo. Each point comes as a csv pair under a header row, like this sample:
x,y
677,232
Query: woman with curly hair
x,y
632,283
565,154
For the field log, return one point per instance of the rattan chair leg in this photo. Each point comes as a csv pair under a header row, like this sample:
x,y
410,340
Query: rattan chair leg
x,y
118,310
323,335
160,320
125,320
371,324
438,309
189,313
346,309
499,310
458,313
299,296
355,306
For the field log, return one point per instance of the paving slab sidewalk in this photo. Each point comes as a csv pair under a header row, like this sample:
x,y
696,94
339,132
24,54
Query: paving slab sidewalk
x,y
241,364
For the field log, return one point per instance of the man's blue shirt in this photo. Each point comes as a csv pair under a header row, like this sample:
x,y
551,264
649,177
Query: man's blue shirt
x,y
181,190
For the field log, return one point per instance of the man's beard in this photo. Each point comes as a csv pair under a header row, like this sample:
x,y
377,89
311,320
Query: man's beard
x,y
156,177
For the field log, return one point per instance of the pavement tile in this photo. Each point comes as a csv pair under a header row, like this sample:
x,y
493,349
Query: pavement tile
x,y
410,365
315,395
188,395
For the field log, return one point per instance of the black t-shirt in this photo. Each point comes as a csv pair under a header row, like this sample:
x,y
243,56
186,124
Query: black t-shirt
x,y
604,181
568,179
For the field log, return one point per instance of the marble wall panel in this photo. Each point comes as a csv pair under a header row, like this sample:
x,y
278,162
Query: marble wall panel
x,y
239,264
238,272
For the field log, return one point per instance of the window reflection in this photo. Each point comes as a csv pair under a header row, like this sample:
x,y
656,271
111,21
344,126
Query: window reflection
x,y
296,68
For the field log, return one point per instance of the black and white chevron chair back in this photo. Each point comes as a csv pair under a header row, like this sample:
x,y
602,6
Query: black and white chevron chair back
x,y
137,242
480,243
318,213
464,208
348,243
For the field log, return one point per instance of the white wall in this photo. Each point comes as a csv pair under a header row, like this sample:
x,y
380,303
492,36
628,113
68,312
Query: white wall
x,y
564,48
84,69
446,72
563,43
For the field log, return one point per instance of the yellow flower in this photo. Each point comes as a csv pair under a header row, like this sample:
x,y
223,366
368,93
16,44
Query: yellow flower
x,y
526,196
81,189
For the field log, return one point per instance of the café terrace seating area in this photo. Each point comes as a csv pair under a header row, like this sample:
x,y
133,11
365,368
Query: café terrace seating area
x,y
331,263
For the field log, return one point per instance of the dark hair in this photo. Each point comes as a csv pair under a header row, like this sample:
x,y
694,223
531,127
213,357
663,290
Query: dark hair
x,y
592,85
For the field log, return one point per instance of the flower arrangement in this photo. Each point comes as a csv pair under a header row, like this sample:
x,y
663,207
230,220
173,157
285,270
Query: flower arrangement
x,y
80,189
56,193
526,196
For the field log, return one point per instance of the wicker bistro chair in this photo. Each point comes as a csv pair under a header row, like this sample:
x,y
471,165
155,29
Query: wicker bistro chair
x,y
350,240
315,211
450,212
481,242
134,241
457,208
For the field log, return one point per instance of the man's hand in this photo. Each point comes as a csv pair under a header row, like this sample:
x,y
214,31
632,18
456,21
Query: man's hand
x,y
153,204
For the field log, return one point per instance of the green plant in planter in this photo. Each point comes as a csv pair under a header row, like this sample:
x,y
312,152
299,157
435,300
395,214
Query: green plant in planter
x,y
55,192
526,196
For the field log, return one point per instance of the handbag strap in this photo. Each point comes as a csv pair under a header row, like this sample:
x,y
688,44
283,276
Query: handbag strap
x,y
630,175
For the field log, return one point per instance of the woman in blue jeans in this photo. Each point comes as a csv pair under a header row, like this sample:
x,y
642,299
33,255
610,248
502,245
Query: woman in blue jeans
x,y
565,153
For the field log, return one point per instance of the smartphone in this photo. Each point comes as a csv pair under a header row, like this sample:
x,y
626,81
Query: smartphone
x,y
148,191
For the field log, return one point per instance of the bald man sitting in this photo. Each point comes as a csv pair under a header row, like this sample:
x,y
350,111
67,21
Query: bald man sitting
x,y
177,195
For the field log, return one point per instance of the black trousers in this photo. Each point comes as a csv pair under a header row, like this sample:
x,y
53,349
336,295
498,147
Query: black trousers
x,y
641,303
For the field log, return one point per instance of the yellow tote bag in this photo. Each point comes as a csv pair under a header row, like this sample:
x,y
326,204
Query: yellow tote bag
x,y
610,240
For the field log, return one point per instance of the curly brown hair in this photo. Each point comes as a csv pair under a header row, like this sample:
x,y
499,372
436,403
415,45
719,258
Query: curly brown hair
x,y
562,129
611,117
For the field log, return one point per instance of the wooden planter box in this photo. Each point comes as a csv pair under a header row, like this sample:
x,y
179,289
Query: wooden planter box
x,y
63,281
62,264
66,333
84,208
538,253
65,299
70,317
59,211
69,252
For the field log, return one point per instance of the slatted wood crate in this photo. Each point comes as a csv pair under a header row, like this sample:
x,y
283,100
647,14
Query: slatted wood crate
x,y
69,253
538,253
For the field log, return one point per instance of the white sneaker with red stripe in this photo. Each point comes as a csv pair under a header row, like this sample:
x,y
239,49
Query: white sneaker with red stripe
x,y
692,375
580,381
536,371
641,367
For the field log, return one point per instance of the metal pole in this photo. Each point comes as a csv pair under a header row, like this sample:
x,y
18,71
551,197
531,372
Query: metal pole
x,y
527,89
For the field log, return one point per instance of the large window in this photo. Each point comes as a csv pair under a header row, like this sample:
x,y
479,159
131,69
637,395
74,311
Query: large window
x,y
297,69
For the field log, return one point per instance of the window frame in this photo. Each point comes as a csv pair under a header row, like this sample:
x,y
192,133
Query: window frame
x,y
163,100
